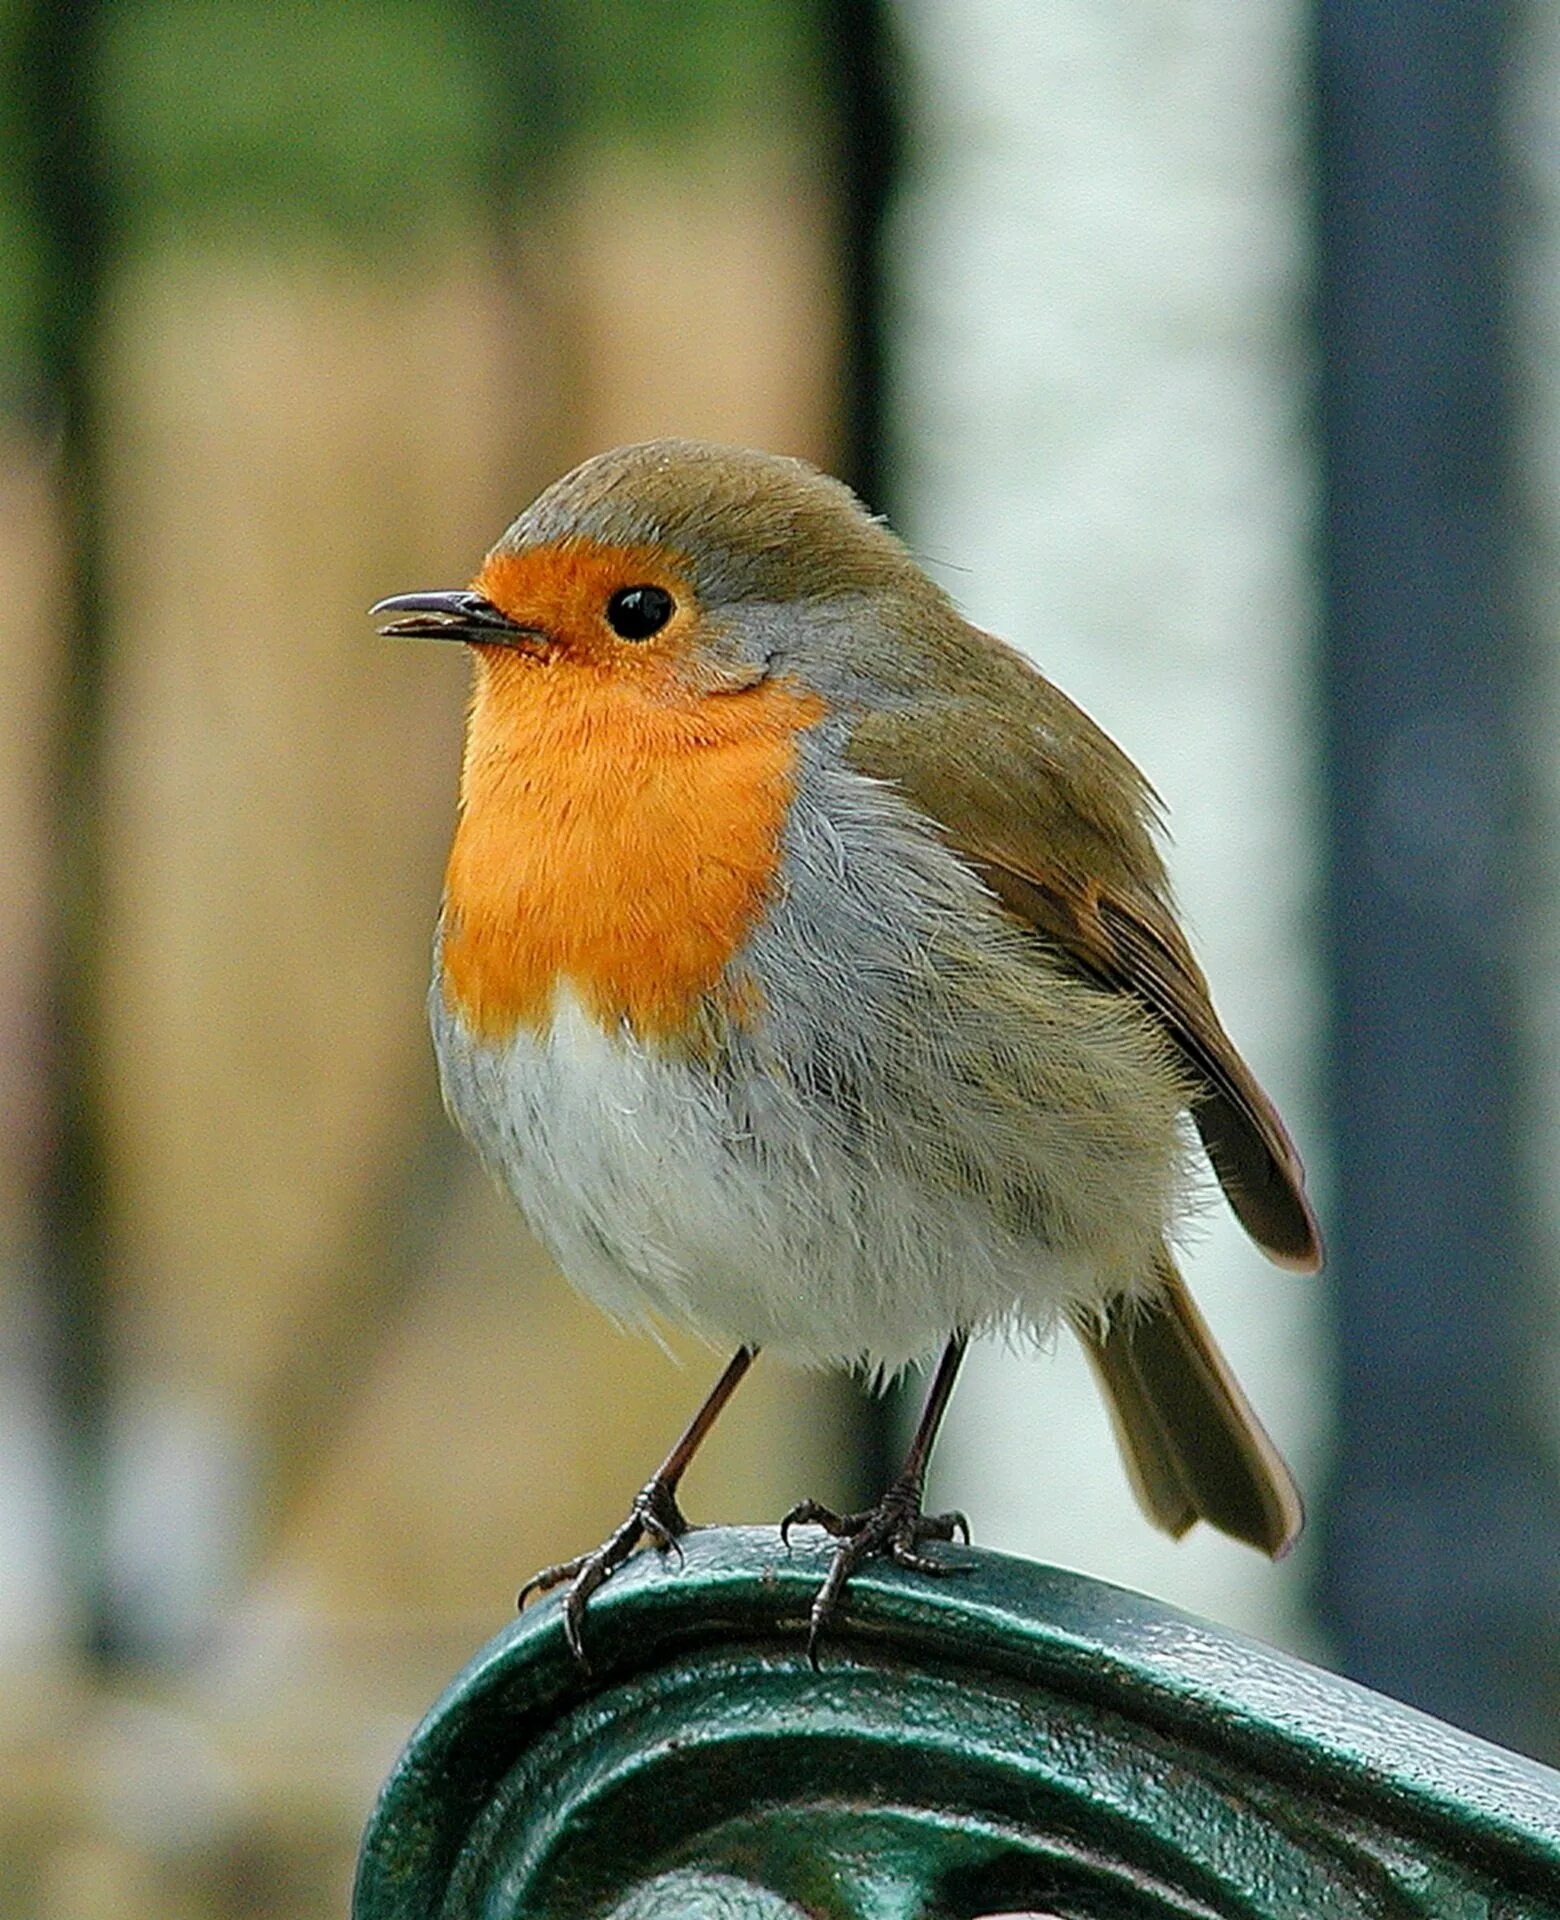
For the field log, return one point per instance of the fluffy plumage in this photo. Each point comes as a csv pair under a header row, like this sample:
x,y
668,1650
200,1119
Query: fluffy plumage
x,y
934,1075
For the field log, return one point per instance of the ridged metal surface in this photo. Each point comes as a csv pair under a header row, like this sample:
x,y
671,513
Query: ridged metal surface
x,y
1014,1740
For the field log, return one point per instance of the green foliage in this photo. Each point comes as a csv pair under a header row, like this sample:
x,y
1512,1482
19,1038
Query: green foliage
x,y
651,73
368,121
367,118
22,275
373,116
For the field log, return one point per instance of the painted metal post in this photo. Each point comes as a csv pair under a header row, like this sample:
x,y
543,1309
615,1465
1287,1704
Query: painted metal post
x,y
1442,1582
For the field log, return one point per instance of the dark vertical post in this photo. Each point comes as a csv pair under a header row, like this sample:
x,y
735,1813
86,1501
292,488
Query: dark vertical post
x,y
56,58
1443,1543
868,135
869,142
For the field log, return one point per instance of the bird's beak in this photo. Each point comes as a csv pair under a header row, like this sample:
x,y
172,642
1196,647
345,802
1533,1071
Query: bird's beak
x,y
455,614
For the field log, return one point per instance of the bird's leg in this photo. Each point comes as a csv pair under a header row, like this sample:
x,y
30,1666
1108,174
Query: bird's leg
x,y
896,1525
654,1515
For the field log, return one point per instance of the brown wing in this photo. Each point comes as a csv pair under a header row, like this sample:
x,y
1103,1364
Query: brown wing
x,y
1055,819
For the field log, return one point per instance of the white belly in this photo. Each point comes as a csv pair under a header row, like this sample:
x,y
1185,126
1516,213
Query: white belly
x,y
739,1213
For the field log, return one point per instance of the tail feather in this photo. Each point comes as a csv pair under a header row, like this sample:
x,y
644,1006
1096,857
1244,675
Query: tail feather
x,y
1193,1447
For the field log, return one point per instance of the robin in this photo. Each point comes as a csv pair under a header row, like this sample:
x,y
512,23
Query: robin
x,y
808,973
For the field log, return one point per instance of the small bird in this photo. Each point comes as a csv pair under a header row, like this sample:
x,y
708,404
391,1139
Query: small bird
x,y
808,972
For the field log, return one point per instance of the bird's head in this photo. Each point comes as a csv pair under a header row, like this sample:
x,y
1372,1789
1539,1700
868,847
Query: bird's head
x,y
687,569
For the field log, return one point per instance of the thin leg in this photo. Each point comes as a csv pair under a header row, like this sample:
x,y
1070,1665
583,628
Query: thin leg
x,y
654,1515
896,1525
932,1413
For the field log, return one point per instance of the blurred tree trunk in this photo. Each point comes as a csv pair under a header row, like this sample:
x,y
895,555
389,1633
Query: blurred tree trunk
x,y
38,1614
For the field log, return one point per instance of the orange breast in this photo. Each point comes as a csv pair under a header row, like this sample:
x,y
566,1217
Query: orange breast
x,y
612,841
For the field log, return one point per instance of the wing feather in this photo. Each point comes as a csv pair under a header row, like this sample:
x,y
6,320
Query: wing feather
x,y
1056,820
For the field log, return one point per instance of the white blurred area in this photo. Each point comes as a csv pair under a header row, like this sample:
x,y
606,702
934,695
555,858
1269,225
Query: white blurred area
x,y
1098,393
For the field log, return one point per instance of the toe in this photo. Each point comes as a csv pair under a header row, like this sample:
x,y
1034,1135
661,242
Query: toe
x,y
827,1601
547,1579
574,1605
656,1509
904,1555
811,1513
941,1526
662,1537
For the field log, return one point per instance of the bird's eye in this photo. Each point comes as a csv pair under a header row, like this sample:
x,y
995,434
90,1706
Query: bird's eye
x,y
634,613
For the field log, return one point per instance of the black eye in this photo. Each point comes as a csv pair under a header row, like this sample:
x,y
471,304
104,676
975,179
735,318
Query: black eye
x,y
637,612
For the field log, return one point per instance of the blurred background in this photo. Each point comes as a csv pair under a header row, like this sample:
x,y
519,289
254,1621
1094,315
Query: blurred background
x,y
1207,352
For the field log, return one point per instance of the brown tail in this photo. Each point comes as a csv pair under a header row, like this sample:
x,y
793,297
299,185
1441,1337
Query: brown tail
x,y
1193,1448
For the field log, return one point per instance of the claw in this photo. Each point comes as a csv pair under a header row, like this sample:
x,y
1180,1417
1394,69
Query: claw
x,y
809,1513
896,1527
654,1516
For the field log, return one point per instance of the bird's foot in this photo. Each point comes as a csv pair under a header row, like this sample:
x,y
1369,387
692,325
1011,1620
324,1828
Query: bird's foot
x,y
654,1516
895,1526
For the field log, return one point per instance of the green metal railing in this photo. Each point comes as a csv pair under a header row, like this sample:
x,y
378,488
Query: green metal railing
x,y
1019,1740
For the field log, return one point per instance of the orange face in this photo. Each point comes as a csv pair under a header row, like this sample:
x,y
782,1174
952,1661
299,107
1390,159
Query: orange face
x,y
565,592
622,804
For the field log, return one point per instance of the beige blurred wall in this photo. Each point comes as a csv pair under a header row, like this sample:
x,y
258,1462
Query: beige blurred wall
x,y
353,1407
